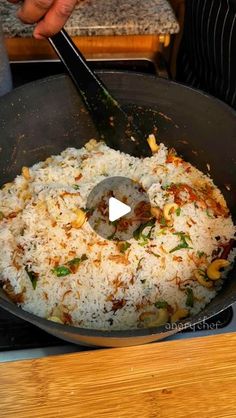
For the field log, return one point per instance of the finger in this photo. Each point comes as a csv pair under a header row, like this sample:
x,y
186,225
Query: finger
x,y
32,11
55,19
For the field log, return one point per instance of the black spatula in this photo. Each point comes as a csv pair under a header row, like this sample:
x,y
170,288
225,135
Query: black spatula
x,y
114,125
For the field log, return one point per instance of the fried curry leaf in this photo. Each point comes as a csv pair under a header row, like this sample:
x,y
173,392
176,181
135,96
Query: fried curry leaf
x,y
76,261
138,233
190,297
33,277
124,246
183,242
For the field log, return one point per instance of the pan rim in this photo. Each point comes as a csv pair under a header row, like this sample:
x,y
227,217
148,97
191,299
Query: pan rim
x,y
121,334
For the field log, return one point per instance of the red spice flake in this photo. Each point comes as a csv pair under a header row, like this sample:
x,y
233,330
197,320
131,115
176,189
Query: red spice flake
x,y
20,249
14,297
67,319
118,304
102,207
188,169
45,295
123,224
63,194
119,259
102,243
118,283
177,258
173,158
71,254
13,214
224,249
132,279
65,294
177,189
142,304
143,211
56,261
15,264
77,178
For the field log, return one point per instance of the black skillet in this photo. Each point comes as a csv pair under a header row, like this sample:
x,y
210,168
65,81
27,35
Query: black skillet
x,y
45,117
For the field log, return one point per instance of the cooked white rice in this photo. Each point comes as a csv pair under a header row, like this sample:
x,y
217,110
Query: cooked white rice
x,y
109,289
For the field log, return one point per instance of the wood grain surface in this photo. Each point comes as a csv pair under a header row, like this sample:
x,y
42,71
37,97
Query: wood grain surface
x,y
96,47
188,378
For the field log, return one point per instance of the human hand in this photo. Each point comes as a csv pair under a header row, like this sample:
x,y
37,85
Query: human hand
x,y
51,15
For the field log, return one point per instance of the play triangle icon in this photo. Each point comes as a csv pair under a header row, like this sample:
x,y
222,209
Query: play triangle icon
x,y
117,209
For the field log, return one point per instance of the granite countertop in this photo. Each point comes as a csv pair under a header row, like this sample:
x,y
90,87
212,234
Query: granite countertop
x,y
104,17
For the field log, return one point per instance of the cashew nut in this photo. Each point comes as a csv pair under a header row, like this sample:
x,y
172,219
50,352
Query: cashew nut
x,y
91,145
55,319
168,209
25,173
179,314
213,270
201,278
81,218
155,319
155,212
152,143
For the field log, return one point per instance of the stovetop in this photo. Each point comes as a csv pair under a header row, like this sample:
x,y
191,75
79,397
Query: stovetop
x,y
19,339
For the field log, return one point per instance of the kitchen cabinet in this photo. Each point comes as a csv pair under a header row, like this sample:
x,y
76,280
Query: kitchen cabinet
x,y
102,29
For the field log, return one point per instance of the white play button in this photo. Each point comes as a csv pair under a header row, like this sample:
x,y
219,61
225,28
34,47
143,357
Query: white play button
x,y
117,209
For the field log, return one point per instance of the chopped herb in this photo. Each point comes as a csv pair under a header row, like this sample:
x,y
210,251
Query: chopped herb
x,y
114,223
61,271
1,216
162,231
138,233
143,281
178,211
76,186
182,235
33,277
124,246
183,243
139,263
201,254
156,255
190,297
166,186
161,304
76,261
143,241
209,214
163,221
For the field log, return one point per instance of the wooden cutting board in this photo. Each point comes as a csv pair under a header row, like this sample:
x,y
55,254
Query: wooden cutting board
x,y
187,378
